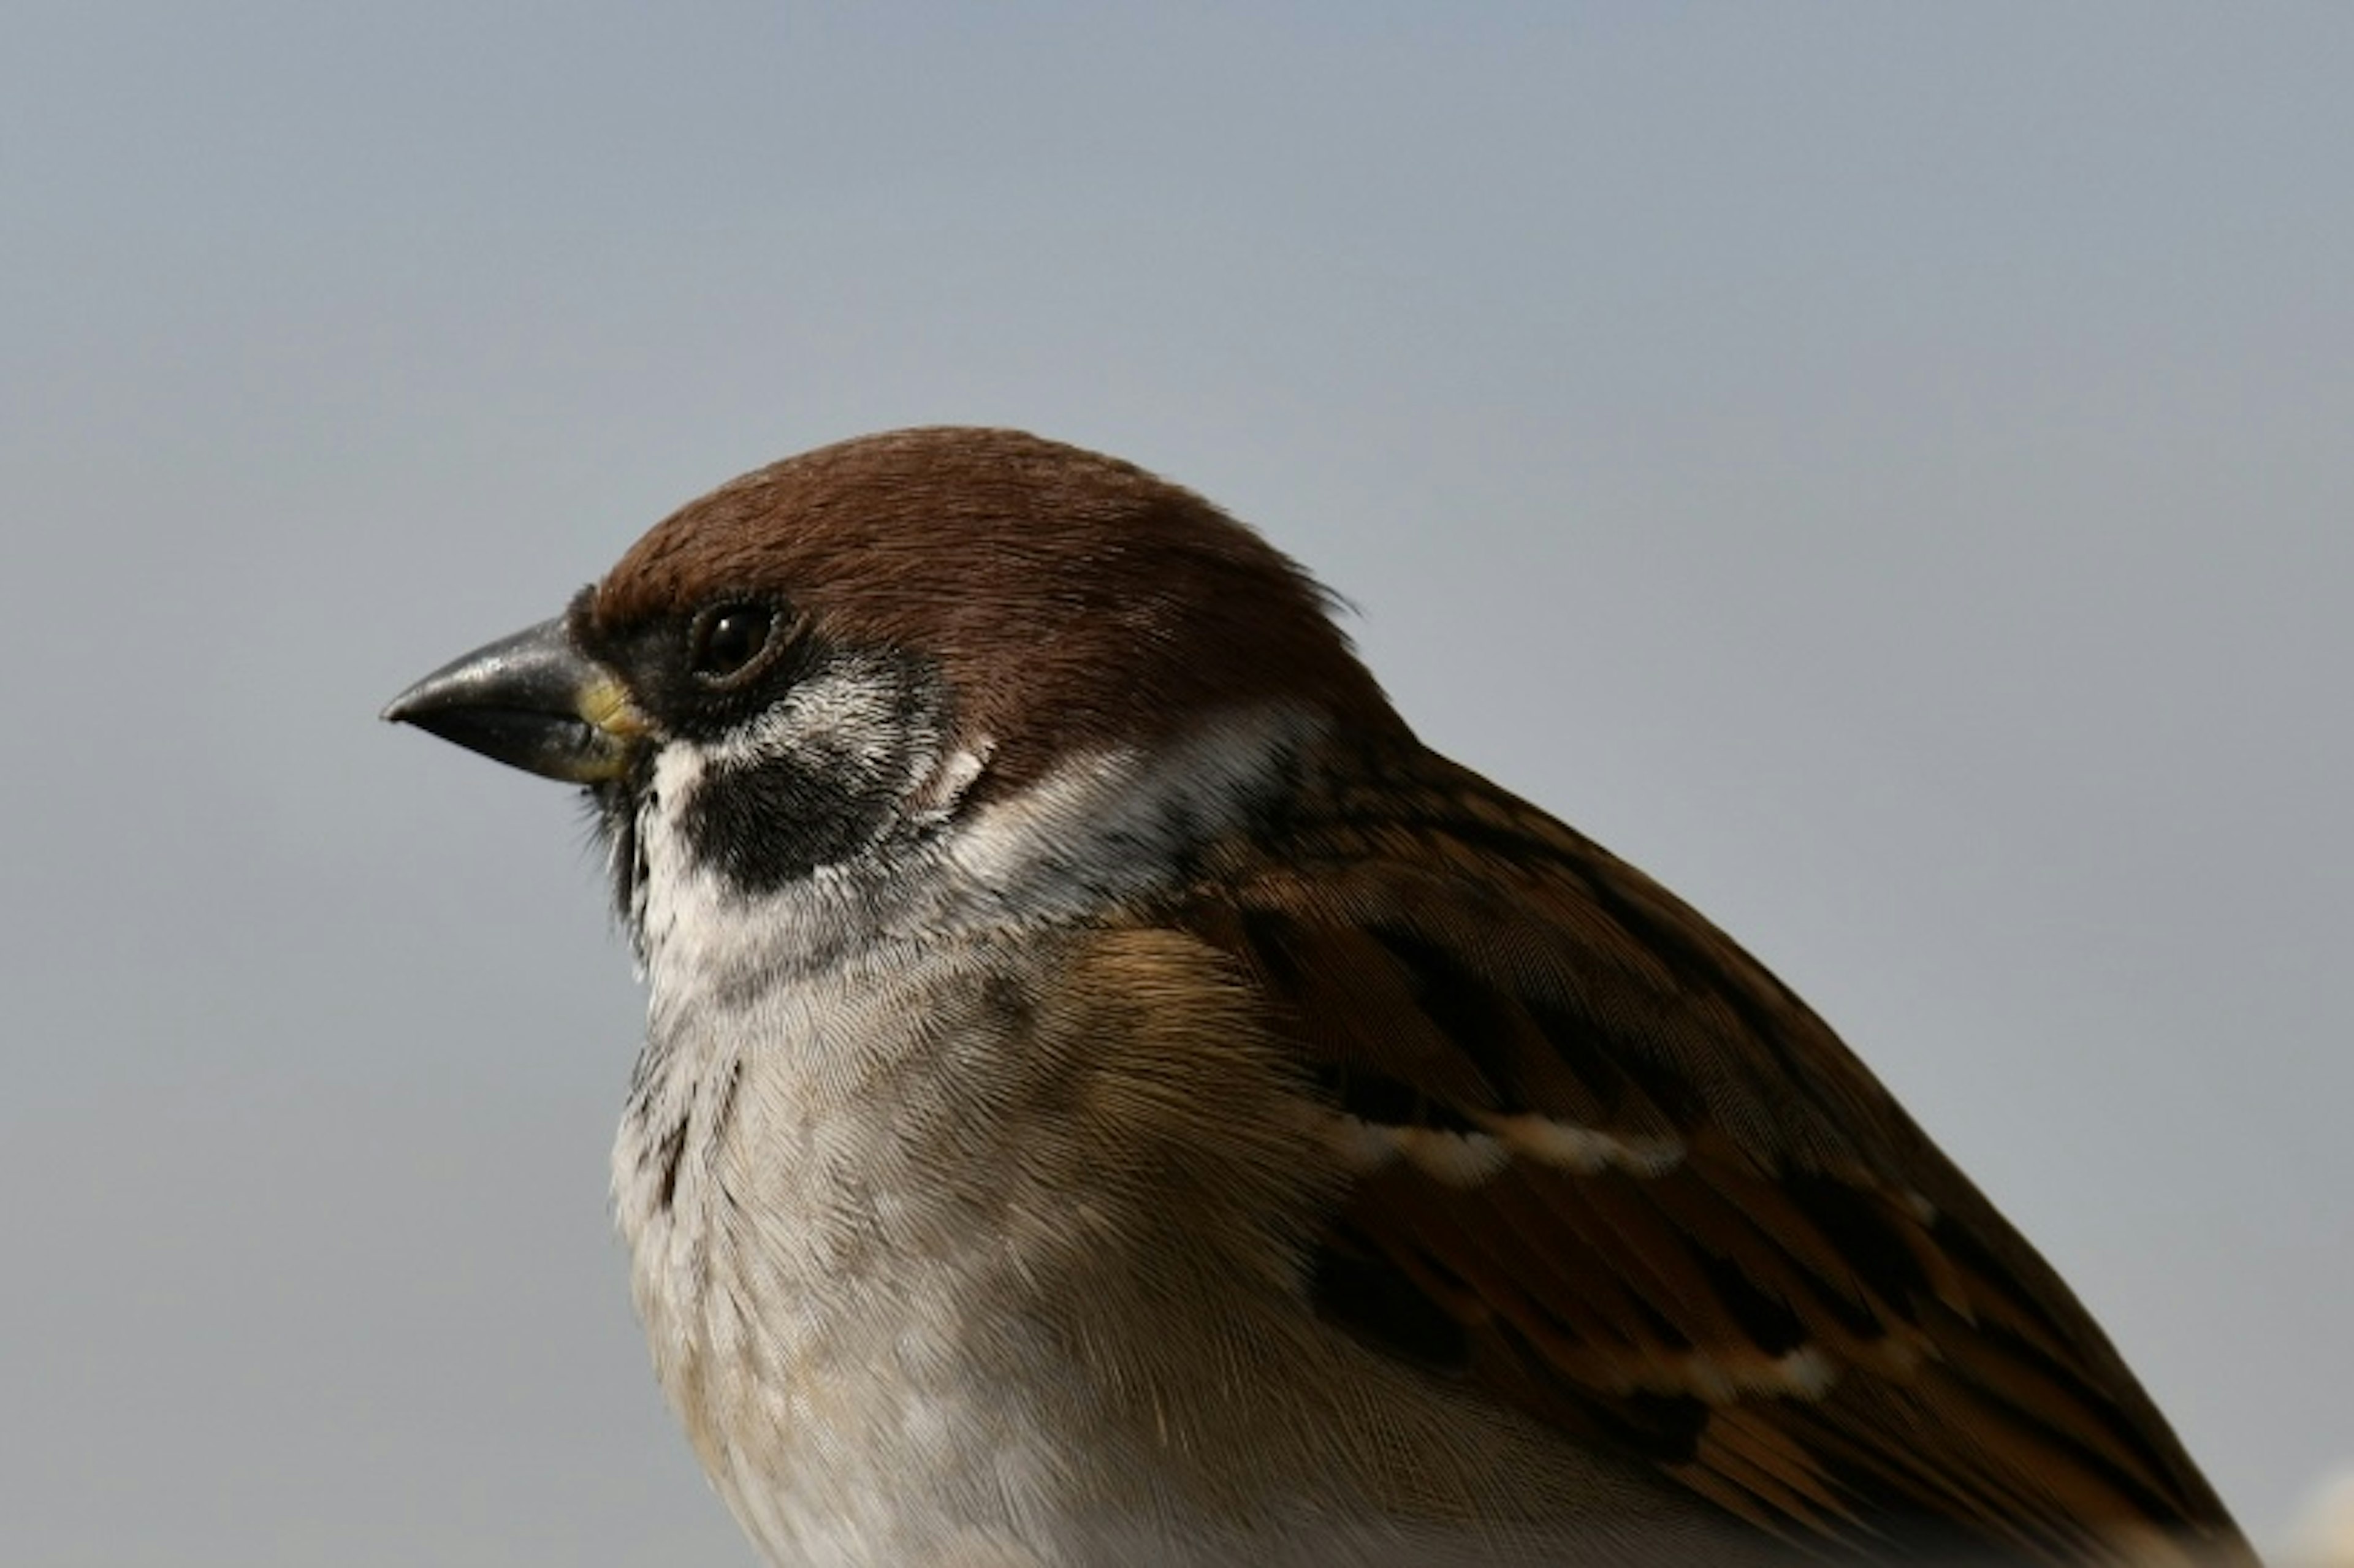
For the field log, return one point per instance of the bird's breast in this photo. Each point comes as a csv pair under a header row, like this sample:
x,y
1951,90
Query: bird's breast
x,y
933,1257
855,1284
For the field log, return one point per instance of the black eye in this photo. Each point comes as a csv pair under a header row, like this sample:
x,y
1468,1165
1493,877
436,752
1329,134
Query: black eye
x,y
727,638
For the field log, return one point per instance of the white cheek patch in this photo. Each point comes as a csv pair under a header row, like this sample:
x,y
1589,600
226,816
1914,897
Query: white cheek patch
x,y
858,723
1100,828
853,712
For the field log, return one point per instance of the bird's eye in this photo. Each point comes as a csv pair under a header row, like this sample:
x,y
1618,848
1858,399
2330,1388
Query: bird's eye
x,y
727,638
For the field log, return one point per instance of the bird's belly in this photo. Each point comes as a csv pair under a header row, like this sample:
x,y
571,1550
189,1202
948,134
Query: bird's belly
x,y
896,1337
844,1345
868,1428
861,1426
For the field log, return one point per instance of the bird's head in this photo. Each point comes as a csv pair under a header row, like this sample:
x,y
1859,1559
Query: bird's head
x,y
836,661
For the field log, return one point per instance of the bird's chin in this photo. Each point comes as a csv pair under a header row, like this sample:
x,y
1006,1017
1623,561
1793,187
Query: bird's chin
x,y
612,808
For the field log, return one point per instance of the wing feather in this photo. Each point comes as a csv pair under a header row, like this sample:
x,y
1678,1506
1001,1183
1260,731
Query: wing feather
x,y
1612,1172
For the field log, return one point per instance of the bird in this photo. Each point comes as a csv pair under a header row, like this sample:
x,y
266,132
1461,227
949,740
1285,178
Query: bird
x,y
1111,1094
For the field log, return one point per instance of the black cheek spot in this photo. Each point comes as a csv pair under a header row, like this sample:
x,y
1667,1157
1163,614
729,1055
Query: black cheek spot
x,y
771,823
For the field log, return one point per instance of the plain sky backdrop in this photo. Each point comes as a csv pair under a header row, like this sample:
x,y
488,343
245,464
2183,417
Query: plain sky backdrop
x,y
1884,469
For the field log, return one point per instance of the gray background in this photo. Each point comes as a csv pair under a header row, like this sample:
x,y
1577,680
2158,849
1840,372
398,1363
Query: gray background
x,y
1887,474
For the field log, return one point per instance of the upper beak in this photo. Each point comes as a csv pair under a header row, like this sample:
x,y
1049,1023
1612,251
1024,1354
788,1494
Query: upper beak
x,y
533,701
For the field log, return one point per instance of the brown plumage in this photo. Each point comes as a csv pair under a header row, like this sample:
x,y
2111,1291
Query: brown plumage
x,y
1071,601
1780,1292
1049,920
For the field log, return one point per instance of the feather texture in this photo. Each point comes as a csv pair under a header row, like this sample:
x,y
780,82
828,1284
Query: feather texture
x,y
1611,1172
1112,1095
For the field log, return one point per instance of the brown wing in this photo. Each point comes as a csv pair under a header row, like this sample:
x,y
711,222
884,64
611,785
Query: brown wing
x,y
1612,1172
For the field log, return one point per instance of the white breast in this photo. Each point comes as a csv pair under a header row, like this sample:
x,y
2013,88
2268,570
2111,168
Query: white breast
x,y
814,1198
952,1248
809,1289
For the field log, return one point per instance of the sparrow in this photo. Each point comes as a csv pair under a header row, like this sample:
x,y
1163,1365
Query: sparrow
x,y
1112,1095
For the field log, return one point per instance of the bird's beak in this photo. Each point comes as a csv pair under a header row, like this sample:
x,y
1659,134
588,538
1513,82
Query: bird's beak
x,y
533,701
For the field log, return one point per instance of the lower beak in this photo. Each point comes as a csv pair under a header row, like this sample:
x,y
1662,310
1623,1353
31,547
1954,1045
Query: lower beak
x,y
533,701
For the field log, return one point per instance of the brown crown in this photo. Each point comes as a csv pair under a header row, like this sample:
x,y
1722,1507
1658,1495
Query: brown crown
x,y
1071,599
